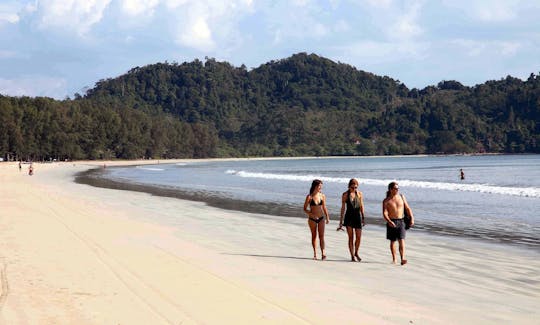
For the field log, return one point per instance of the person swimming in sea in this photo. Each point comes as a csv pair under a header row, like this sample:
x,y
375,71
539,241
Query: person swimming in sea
x,y
315,208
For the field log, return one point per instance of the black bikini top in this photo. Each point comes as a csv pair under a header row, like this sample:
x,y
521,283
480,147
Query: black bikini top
x,y
312,202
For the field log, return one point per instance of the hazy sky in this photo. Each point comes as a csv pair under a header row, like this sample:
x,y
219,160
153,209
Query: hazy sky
x,y
56,48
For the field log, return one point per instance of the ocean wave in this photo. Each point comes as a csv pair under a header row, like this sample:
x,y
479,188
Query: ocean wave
x,y
480,188
150,168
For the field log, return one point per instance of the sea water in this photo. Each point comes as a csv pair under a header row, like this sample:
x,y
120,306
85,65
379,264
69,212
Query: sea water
x,y
498,201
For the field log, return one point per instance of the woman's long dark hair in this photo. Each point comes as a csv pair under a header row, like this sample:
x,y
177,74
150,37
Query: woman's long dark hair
x,y
314,184
390,186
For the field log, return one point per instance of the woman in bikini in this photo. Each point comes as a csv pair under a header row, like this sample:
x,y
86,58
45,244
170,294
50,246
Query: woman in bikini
x,y
354,217
315,208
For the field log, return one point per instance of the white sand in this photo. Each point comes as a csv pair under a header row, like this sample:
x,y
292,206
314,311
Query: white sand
x,y
75,254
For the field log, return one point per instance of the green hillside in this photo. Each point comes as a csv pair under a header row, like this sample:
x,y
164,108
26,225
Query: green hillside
x,y
301,105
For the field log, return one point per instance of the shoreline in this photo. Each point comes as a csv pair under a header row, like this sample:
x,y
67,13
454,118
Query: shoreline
x,y
93,177
80,254
134,162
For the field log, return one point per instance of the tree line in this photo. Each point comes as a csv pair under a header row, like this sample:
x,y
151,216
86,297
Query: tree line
x,y
45,129
301,105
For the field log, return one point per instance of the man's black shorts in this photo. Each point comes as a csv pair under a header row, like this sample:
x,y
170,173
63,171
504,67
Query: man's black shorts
x,y
396,233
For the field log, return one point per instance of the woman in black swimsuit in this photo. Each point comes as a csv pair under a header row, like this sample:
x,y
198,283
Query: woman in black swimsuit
x,y
354,217
317,212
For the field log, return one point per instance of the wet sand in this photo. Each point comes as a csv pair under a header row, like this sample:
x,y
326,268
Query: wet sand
x,y
97,177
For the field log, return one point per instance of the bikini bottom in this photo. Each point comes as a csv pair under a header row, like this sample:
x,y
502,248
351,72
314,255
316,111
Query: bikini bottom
x,y
317,220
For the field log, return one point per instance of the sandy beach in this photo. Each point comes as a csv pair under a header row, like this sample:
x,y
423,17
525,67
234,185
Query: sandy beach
x,y
75,254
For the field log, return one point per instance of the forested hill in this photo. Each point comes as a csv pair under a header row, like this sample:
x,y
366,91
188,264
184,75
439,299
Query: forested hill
x,y
301,105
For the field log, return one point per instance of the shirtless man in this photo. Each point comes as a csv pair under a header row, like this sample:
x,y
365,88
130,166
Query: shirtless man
x,y
393,207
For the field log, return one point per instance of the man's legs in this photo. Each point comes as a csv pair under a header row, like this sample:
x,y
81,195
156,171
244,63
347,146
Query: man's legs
x,y
402,251
393,250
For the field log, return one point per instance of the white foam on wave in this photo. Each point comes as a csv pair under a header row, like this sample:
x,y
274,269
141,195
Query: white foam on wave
x,y
288,177
480,188
150,168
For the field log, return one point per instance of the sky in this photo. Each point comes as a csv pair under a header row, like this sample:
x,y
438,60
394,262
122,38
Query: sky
x,y
56,48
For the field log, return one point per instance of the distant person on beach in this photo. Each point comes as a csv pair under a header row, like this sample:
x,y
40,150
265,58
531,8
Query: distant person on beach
x,y
461,174
394,206
353,217
20,166
31,170
315,208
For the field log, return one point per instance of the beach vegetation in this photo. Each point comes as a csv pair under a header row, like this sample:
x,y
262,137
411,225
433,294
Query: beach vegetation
x,y
304,105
